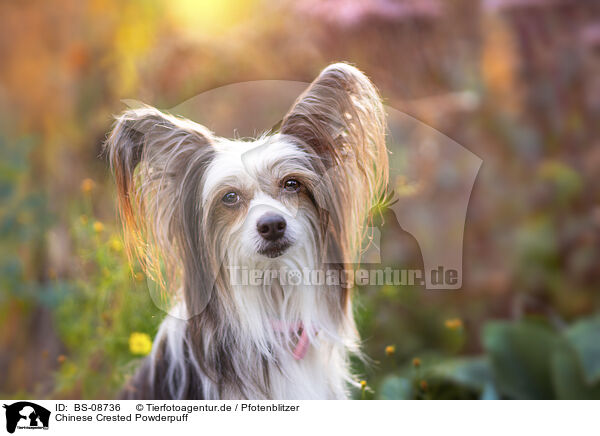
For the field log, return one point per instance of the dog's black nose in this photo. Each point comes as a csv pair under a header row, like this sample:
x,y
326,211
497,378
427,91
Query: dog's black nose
x,y
271,226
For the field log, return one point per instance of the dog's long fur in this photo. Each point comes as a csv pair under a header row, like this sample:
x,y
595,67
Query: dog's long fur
x,y
219,342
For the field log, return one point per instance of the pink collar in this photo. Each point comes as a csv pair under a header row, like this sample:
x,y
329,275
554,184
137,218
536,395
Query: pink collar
x,y
303,341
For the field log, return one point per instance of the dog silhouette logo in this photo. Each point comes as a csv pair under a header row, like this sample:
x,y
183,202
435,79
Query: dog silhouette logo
x,y
26,415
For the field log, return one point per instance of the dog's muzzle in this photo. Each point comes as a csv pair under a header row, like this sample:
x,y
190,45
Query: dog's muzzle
x,y
271,227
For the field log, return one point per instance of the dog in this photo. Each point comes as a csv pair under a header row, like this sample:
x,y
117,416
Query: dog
x,y
196,207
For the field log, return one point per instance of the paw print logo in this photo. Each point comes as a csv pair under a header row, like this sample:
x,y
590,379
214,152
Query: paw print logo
x,y
294,277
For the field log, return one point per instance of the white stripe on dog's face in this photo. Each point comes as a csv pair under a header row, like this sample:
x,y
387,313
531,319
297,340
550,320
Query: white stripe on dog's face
x,y
245,187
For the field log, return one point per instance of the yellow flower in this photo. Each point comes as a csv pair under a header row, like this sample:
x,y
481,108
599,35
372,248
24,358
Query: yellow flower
x,y
390,350
363,384
87,185
453,324
116,245
416,362
140,343
98,227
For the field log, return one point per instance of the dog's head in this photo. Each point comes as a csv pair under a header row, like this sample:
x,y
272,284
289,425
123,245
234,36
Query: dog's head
x,y
258,199
197,200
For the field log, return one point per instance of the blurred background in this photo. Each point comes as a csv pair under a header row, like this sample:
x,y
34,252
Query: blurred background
x,y
517,82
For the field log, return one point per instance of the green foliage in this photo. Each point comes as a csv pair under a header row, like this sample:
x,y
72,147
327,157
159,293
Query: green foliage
x,y
94,312
520,355
396,388
99,313
24,218
584,338
522,360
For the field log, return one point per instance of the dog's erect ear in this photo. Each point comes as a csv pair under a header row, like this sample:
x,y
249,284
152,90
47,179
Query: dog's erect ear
x,y
340,116
162,143
340,120
159,161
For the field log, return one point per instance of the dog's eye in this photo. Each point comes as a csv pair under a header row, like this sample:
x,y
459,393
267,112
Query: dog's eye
x,y
291,185
231,198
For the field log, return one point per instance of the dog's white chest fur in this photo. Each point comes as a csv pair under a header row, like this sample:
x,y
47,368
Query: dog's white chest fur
x,y
269,366
312,377
266,321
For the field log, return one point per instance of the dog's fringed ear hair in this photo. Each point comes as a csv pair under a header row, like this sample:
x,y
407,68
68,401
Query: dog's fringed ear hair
x,y
340,119
158,161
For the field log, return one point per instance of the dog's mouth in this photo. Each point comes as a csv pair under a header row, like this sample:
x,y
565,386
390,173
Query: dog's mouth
x,y
275,249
